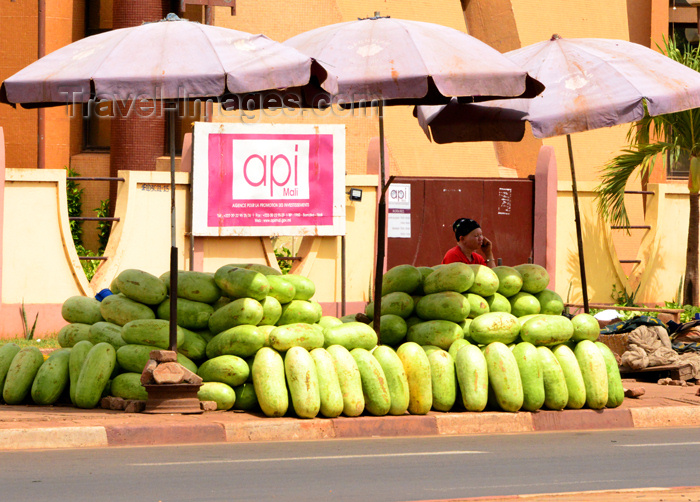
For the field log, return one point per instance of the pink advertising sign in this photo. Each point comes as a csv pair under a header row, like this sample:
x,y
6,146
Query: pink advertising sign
x,y
265,179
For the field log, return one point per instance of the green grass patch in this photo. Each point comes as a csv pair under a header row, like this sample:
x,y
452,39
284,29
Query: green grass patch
x,y
42,342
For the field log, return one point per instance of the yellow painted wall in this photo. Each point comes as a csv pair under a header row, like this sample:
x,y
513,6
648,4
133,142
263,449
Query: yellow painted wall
x,y
664,247
602,269
39,263
41,266
661,250
144,242
322,255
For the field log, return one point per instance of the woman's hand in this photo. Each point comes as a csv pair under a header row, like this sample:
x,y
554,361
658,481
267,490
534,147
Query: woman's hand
x,y
487,251
486,248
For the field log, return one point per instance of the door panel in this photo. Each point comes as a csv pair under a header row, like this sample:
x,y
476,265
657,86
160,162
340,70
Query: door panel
x,y
503,208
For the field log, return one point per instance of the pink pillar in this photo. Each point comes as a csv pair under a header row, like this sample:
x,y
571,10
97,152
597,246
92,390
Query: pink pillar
x,y
2,199
545,238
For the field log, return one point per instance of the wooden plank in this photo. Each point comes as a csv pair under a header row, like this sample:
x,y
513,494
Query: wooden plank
x,y
675,371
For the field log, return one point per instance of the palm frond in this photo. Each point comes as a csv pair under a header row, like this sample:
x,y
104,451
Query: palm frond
x,y
672,134
616,174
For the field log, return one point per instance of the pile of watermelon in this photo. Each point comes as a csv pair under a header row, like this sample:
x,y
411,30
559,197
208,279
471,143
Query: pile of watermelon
x,y
453,337
504,334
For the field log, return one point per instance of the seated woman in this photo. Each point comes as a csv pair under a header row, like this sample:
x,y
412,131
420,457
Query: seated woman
x,y
470,239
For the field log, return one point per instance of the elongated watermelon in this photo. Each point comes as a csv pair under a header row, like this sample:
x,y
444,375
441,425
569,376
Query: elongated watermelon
x,y
556,393
7,353
595,374
504,376
473,377
52,378
20,375
374,387
616,393
269,382
417,367
349,379
396,379
444,380
302,380
94,375
572,373
531,375
328,384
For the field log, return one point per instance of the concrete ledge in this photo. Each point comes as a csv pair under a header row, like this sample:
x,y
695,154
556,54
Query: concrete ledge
x,y
279,429
123,435
675,416
483,423
52,437
573,420
386,426
36,428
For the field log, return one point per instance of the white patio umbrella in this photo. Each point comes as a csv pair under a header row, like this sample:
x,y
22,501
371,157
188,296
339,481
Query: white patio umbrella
x,y
171,60
390,61
589,83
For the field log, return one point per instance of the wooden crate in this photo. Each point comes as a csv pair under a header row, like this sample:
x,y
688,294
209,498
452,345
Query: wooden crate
x,y
616,342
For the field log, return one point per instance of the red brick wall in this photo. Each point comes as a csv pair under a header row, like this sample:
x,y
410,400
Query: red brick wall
x,y
136,141
134,12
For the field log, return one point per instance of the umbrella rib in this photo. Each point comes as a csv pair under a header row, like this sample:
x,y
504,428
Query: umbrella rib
x,y
213,50
329,43
121,39
425,68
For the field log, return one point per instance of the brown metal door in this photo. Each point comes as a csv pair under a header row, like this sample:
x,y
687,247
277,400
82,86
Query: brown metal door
x,y
503,207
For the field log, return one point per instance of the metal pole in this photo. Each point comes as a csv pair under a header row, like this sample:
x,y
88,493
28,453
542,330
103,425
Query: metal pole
x,y
342,274
208,110
577,218
208,104
381,226
172,111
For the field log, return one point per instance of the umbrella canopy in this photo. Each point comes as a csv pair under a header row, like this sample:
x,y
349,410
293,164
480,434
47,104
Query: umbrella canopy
x,y
409,62
396,62
589,83
170,59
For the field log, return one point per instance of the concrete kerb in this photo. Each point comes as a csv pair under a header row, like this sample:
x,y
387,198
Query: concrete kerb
x,y
293,429
53,437
654,494
672,416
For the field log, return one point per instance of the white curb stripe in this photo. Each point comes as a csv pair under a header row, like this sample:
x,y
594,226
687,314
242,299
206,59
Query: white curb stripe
x,y
324,457
53,437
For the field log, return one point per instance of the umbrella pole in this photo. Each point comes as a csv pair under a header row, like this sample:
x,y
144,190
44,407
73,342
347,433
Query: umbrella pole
x,y
381,226
172,110
577,218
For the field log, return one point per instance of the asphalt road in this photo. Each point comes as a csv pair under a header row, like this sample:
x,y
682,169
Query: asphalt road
x,y
358,470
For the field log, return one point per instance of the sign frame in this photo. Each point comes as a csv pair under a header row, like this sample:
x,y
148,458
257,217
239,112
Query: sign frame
x,y
317,159
399,211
